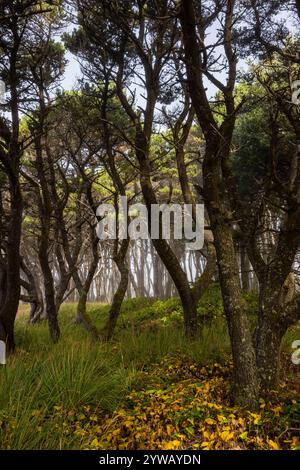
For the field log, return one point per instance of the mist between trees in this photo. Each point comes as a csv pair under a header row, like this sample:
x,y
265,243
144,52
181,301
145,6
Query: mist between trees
x,y
164,114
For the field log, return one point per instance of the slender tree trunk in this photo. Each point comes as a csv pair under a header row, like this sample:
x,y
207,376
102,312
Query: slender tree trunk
x,y
49,290
36,310
9,309
35,297
163,249
82,316
277,295
83,289
114,312
45,213
3,279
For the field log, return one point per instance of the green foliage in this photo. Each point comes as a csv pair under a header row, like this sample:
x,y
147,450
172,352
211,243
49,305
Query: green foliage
x,y
211,303
249,161
41,380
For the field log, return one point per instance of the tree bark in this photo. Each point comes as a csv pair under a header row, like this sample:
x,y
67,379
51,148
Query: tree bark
x,y
114,311
245,383
49,289
82,316
218,143
8,310
268,349
45,213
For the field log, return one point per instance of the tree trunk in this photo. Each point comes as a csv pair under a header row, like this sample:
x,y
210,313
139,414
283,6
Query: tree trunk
x,y
36,314
268,348
269,333
35,296
49,290
245,386
45,213
163,248
114,312
3,278
82,316
9,309
115,308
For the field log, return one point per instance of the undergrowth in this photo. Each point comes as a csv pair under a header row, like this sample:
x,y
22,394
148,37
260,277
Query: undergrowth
x,y
85,394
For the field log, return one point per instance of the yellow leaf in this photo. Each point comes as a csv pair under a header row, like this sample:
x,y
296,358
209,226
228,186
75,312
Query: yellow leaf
x,y
207,445
210,421
227,436
221,418
277,410
295,442
95,443
170,429
172,445
273,445
128,424
256,417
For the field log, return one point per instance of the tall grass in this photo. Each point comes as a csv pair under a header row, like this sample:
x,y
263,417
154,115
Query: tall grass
x,y
79,371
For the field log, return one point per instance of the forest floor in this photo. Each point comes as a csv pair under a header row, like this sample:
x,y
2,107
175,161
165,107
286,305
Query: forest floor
x,y
149,389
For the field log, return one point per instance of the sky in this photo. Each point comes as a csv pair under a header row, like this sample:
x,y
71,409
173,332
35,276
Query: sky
x,y
73,72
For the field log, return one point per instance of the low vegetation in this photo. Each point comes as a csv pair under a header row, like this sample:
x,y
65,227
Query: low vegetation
x,y
149,388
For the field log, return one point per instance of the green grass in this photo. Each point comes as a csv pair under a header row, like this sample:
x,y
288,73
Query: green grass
x,y
77,372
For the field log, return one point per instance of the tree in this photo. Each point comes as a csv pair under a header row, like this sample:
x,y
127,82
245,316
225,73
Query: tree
x,y
229,206
134,43
17,22
275,218
200,61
